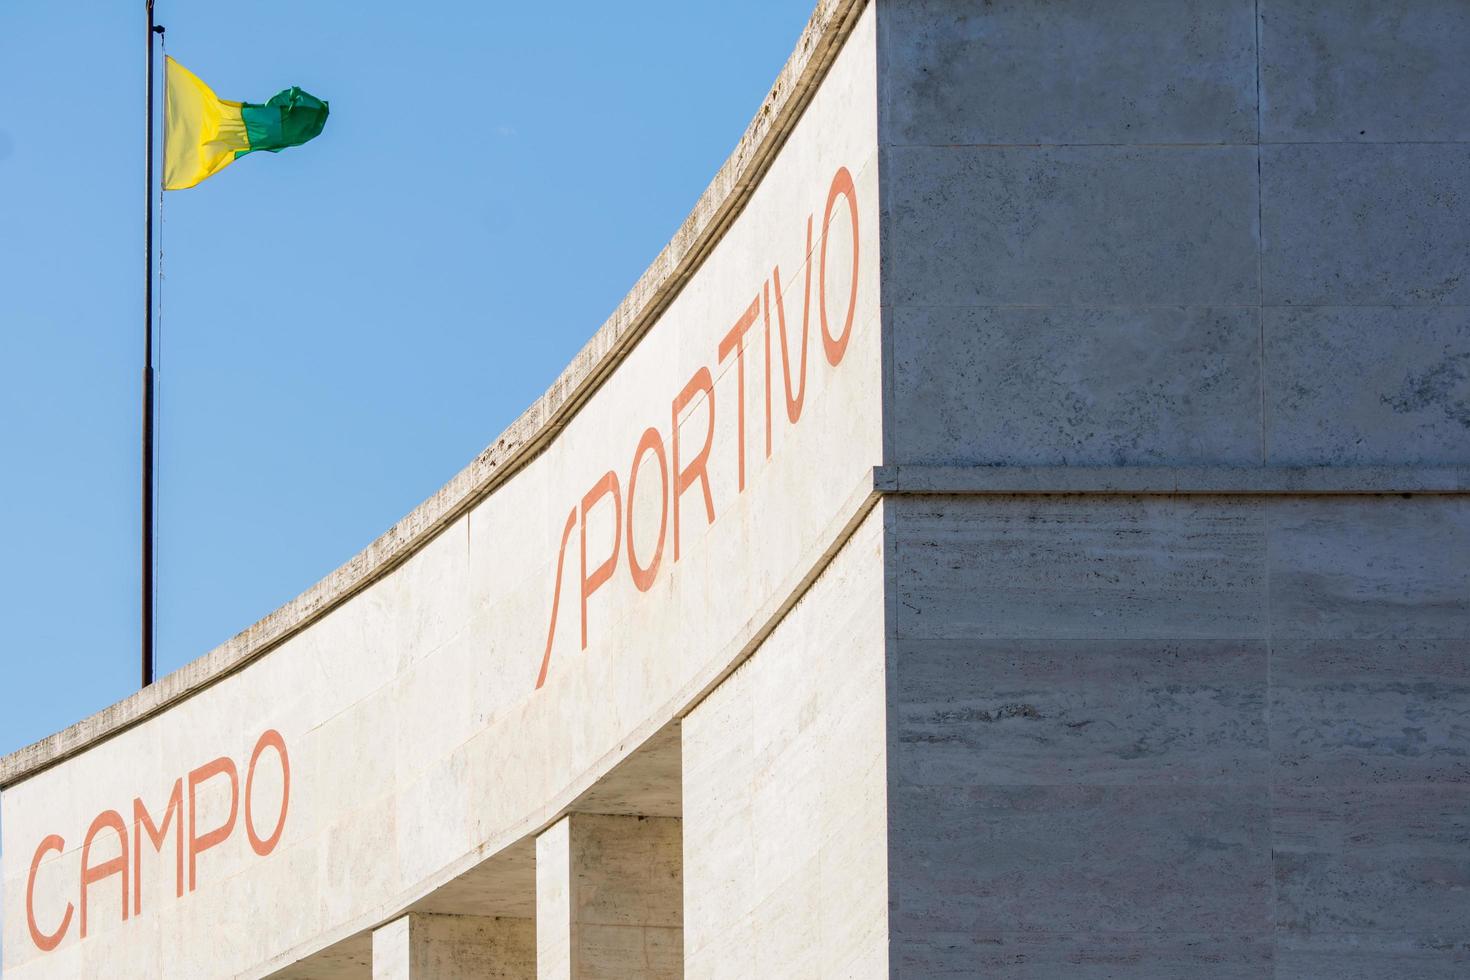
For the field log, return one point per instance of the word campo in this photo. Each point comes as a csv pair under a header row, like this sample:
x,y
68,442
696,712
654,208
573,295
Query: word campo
x,y
689,470
198,841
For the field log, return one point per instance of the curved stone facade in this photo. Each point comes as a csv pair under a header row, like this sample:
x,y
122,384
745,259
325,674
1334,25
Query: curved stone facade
x,y
1016,528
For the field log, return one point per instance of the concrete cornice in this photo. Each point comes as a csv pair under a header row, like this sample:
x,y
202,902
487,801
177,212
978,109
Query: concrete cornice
x,y
721,202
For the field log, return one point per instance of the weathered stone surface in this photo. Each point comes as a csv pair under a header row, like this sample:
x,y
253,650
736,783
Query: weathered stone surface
x,y
1384,863
1102,225
978,859
785,776
1353,712
1086,568
1360,225
1379,385
1364,70
454,947
1370,567
609,899
1148,72
1087,956
1093,712
1360,957
1143,386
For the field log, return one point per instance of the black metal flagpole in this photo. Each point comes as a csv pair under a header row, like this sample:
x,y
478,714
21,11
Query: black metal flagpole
x,y
147,542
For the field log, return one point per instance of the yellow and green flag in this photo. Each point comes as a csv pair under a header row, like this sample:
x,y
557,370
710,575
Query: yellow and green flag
x,y
204,134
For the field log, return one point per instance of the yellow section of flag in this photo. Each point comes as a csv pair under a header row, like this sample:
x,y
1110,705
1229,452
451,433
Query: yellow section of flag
x,y
202,132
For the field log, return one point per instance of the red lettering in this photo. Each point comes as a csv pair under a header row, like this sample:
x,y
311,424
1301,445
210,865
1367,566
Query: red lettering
x,y
561,555
45,942
837,346
697,468
602,573
651,442
766,317
199,844
143,823
735,340
270,739
106,820
687,470
793,403
131,863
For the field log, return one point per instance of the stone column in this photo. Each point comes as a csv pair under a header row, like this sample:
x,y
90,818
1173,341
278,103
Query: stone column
x,y
610,899
454,947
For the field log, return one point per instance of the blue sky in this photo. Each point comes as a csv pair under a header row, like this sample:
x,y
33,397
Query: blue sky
x,y
345,324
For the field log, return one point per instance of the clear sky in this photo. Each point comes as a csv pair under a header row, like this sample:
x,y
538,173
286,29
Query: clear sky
x,y
345,324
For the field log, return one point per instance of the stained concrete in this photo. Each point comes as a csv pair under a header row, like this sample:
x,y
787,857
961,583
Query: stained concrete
x,y
1077,386
609,899
1409,400
454,947
1379,71
1404,208
1028,73
1072,226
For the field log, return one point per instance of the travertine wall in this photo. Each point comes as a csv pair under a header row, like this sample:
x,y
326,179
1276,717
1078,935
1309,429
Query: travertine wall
x,y
1191,735
785,789
1178,735
1115,234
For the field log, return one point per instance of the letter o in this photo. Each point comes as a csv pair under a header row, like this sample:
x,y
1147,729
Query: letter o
x,y
643,577
270,738
835,347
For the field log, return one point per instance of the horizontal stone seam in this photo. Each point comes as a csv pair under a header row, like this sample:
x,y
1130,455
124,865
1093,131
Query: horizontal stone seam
x,y
1182,305
1167,145
1171,481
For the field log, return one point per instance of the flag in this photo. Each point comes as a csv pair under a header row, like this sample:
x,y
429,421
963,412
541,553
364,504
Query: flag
x,y
204,134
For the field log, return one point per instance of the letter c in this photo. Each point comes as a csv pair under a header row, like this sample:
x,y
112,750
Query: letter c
x,y
44,942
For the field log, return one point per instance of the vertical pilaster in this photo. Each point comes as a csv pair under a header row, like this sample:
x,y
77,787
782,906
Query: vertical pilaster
x,y
609,899
454,947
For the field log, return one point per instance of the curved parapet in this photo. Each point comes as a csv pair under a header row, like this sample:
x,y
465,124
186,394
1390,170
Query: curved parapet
x,y
457,686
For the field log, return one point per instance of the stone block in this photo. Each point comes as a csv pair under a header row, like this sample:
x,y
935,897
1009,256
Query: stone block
x,y
1143,860
1361,957
1364,70
1139,386
1093,712
1367,386
1359,225
1086,956
1362,866
1370,567
1079,567
1148,72
1354,712
1071,226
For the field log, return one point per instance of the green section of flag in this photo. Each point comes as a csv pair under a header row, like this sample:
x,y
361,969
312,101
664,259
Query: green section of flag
x,y
290,118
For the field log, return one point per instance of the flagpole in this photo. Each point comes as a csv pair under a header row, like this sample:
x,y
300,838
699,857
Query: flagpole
x,y
147,542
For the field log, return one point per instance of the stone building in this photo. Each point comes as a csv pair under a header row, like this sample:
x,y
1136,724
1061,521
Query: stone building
x,y
1016,528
